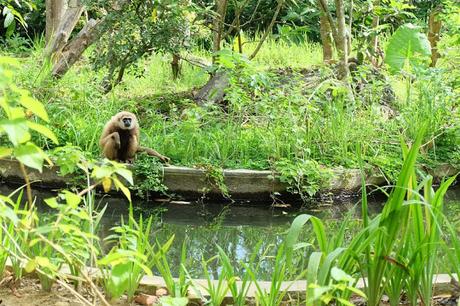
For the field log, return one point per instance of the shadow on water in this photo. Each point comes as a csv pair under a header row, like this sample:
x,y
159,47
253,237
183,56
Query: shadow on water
x,y
236,229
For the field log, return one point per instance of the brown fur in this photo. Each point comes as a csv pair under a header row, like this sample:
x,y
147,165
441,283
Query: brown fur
x,y
120,139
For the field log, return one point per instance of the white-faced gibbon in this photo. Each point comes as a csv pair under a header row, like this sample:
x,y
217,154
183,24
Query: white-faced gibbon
x,y
120,139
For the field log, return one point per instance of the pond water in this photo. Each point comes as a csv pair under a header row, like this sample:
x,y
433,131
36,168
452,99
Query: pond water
x,y
236,229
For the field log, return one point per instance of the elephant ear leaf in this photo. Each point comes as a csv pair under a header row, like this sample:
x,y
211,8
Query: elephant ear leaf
x,y
407,49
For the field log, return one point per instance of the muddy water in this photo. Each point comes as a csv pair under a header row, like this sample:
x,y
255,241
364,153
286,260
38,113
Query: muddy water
x,y
236,229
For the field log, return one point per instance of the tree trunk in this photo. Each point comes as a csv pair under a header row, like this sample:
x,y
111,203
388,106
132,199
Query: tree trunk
x,y
218,25
57,42
55,9
325,32
175,66
73,50
214,90
322,4
341,42
434,31
375,38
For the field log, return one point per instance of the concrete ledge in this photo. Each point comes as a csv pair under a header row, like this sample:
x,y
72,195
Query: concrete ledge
x,y
190,183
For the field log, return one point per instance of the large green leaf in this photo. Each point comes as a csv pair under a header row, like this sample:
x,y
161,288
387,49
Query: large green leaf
x,y
33,105
43,130
30,155
407,48
17,130
119,279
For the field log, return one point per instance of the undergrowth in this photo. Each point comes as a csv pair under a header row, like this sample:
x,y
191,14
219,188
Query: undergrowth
x,y
272,114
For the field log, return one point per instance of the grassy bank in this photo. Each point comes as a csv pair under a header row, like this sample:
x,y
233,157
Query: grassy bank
x,y
283,110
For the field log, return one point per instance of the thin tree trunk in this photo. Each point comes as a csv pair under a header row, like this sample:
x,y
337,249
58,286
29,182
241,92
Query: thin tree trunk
x,y
175,66
55,10
434,31
325,32
375,38
341,42
64,30
350,26
218,25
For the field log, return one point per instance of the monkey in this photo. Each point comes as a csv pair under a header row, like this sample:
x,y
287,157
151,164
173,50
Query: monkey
x,y
120,139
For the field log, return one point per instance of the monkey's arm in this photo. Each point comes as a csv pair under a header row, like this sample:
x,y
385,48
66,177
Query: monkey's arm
x,y
112,137
152,152
110,145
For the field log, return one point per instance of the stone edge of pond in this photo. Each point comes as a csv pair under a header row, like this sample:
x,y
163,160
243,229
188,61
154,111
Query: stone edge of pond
x,y
442,284
242,184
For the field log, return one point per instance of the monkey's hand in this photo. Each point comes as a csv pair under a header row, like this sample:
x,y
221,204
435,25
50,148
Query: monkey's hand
x,y
165,159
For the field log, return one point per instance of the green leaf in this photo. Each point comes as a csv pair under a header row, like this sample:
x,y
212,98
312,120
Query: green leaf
x,y
8,213
173,301
123,188
33,105
5,152
51,202
407,46
17,130
126,174
101,172
8,20
43,130
72,199
30,155
30,266
340,276
119,279
45,263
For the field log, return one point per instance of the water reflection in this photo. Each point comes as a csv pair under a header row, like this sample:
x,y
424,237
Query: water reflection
x,y
236,229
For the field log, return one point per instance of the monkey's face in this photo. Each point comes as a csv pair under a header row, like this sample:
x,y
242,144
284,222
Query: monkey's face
x,y
126,123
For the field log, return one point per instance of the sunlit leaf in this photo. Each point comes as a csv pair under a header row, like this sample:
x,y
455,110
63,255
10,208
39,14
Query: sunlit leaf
x,y
5,152
101,172
33,105
43,130
407,46
123,188
8,20
30,266
51,202
17,130
340,275
106,184
45,263
126,174
154,15
173,301
30,155
72,199
8,213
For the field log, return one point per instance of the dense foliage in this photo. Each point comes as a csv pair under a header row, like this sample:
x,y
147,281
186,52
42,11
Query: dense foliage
x,y
395,111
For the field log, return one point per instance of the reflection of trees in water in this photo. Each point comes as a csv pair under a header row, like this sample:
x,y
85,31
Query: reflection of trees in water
x,y
238,242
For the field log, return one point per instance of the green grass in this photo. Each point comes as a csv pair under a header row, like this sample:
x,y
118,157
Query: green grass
x,y
297,115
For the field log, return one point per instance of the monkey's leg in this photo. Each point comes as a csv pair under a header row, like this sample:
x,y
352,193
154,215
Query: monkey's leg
x,y
132,149
152,152
111,146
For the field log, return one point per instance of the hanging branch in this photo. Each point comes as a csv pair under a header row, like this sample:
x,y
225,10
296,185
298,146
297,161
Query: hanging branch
x,y
269,29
